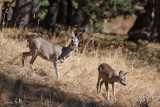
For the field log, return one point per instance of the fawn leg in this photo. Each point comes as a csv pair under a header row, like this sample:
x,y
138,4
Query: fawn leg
x,y
98,82
107,89
101,84
113,87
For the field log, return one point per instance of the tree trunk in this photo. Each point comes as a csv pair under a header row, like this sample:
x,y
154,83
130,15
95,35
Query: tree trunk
x,y
1,4
147,25
9,8
157,19
144,27
87,24
51,17
34,14
63,12
78,18
35,7
22,13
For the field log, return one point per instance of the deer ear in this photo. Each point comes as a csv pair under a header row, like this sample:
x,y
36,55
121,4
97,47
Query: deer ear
x,y
126,73
73,35
120,73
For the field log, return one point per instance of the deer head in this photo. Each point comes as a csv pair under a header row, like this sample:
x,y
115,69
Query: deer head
x,y
122,77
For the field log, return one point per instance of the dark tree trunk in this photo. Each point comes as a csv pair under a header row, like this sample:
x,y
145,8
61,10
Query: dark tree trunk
x,y
157,19
63,12
9,8
78,18
1,4
147,25
7,13
51,17
34,14
22,13
87,24
6,9
35,7
82,20
70,12
144,27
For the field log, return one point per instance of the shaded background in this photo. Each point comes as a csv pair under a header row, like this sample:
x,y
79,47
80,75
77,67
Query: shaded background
x,y
137,18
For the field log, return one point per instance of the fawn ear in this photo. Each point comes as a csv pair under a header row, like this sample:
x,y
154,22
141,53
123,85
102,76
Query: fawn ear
x,y
73,35
120,73
126,73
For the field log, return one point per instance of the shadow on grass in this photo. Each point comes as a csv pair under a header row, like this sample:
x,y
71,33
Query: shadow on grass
x,y
33,94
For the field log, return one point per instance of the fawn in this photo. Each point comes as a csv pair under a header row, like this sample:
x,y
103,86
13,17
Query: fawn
x,y
108,75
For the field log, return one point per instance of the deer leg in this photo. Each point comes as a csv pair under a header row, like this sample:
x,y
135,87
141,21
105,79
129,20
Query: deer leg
x,y
98,82
113,87
34,56
101,84
107,89
24,55
56,66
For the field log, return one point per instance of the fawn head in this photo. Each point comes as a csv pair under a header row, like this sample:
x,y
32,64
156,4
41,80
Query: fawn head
x,y
122,77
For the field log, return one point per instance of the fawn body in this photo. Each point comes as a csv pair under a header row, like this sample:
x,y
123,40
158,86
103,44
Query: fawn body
x,y
108,75
49,51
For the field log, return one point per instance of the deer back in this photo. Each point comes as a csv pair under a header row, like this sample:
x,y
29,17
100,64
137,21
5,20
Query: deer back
x,y
46,49
106,72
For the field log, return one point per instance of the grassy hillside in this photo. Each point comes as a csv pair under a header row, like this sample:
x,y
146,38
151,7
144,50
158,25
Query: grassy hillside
x,y
77,86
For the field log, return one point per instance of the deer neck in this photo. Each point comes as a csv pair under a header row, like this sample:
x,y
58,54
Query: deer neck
x,y
116,78
66,52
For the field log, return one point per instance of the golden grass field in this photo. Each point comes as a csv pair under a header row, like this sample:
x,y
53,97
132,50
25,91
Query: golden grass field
x,y
79,74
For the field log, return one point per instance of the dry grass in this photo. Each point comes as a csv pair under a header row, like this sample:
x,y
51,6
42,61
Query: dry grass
x,y
78,77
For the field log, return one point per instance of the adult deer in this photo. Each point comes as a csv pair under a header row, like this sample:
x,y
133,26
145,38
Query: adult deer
x,y
108,75
49,51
